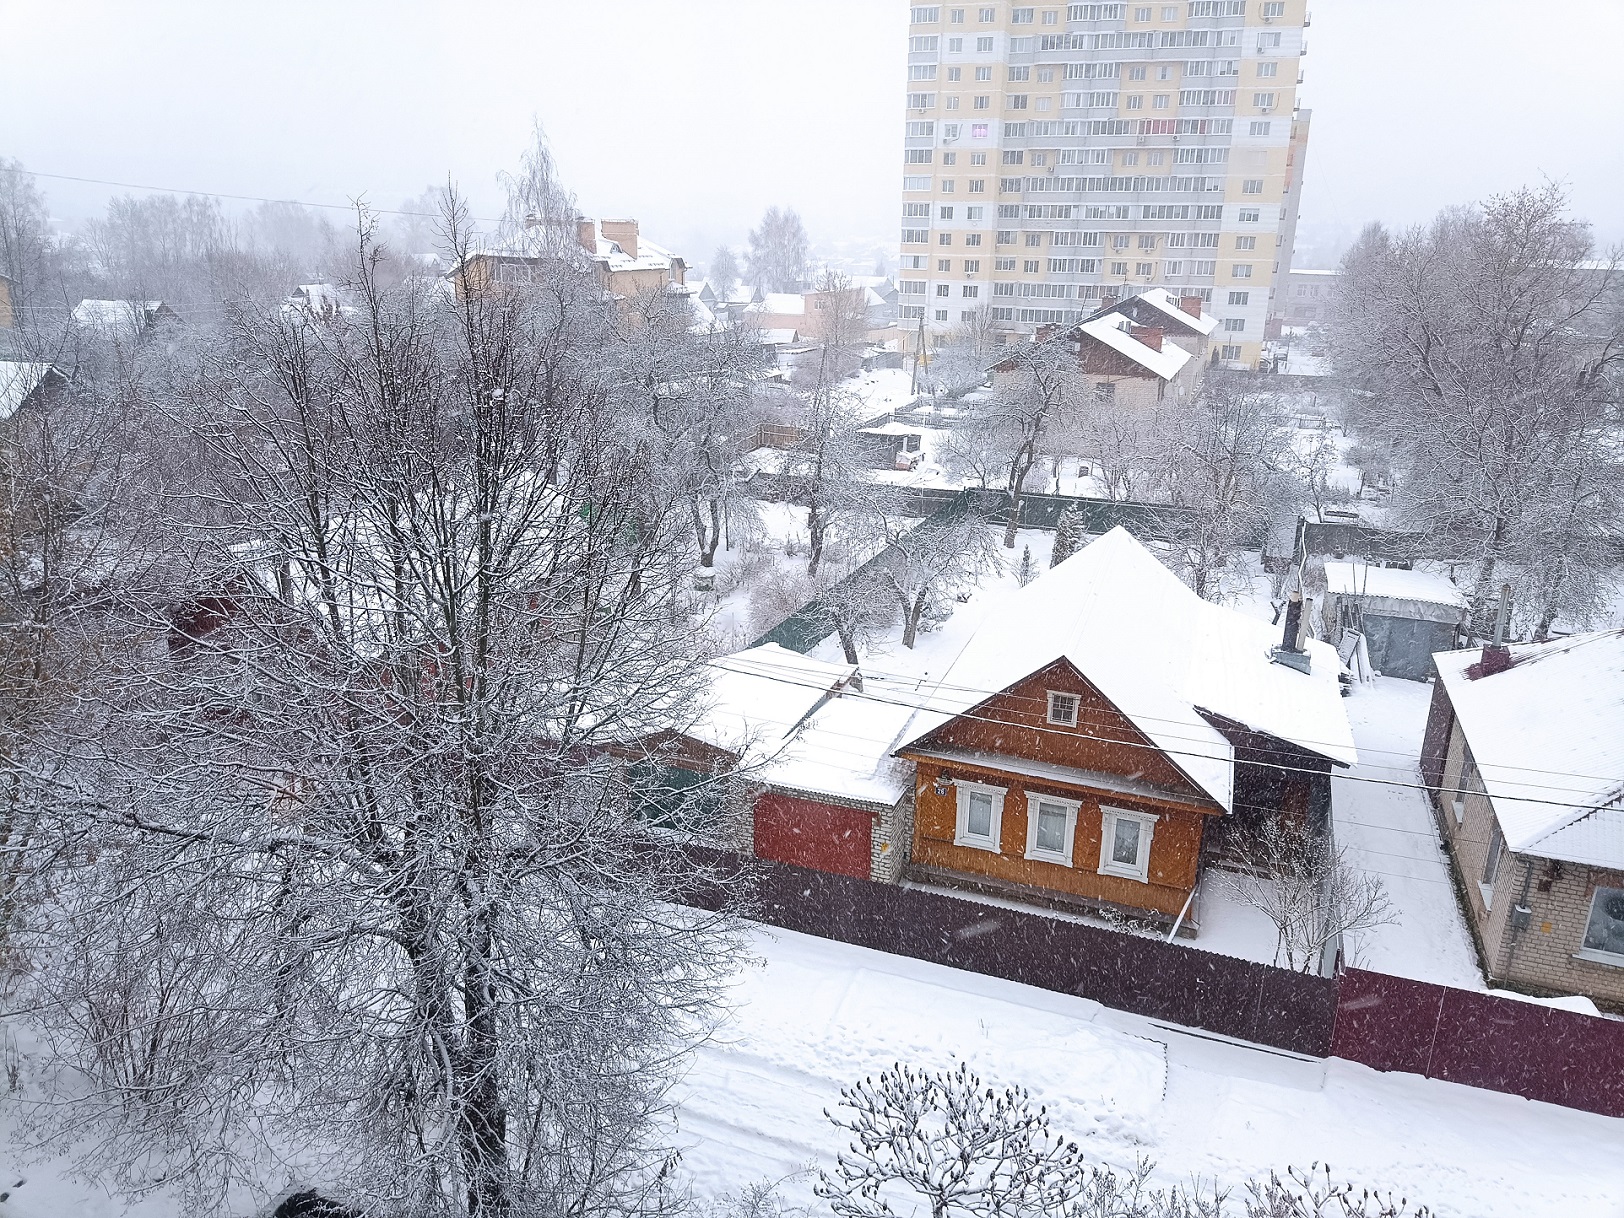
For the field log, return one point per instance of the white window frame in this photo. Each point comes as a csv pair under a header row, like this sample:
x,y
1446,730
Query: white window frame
x,y
1060,857
1596,955
1147,823
961,824
1076,705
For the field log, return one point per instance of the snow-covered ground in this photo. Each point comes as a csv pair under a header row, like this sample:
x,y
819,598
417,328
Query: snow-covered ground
x,y
1389,830
813,1015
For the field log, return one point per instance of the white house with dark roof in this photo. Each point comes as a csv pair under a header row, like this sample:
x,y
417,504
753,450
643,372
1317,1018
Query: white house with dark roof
x,y
1524,755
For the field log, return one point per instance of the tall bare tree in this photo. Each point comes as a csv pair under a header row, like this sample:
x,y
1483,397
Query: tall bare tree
x,y
777,253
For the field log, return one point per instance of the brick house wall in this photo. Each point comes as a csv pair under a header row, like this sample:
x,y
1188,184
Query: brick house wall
x,y
1558,895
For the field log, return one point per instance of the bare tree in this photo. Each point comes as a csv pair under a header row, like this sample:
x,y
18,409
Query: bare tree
x,y
952,1142
359,871
925,561
1310,889
839,324
724,270
776,257
858,609
964,356
1485,351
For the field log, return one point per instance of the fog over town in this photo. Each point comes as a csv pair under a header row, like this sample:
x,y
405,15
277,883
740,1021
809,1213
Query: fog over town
x,y
858,609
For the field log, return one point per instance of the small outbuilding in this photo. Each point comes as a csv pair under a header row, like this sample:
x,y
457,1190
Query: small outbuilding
x,y
1404,617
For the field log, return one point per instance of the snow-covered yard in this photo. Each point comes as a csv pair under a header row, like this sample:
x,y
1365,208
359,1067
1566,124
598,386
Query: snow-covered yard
x,y
813,1015
1389,830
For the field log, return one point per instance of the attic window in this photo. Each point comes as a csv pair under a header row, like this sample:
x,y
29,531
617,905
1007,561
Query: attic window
x,y
1063,709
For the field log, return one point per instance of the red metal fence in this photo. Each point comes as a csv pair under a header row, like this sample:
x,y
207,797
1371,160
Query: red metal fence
x,y
1389,1023
1501,1044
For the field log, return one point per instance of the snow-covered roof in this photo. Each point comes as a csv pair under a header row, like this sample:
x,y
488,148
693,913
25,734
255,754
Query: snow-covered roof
x,y
780,304
1302,270
1114,330
1165,302
891,428
18,379
1547,735
1160,653
127,316
798,723
1390,583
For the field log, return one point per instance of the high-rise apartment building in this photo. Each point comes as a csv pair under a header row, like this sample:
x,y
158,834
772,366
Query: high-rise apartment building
x,y
1059,155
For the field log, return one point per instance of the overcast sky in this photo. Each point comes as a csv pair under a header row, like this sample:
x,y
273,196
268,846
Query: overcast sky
x,y
694,115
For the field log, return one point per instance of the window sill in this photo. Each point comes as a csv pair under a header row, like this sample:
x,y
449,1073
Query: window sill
x,y
978,843
1591,956
1043,856
1124,873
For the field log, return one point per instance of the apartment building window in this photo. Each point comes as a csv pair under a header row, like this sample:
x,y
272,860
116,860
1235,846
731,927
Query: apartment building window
x,y
956,16
1006,236
1261,128
978,186
944,265
1014,156
1045,76
1175,268
1263,101
972,266
1249,215
914,312
1121,241
1147,241
1144,269
946,213
1040,158
1011,186
984,47
921,101
1125,843
1239,298
1155,158
941,314
983,103
1020,72
1170,12
922,71
943,289
1051,17
1022,16
955,74
1252,186
1268,68
1130,158
953,103
925,14
950,131
916,211
915,262
989,14
1159,102
915,236
1031,266
911,287
1234,324
1018,101
924,45
967,314
1136,73
972,238
1231,351
1120,269
955,46
1003,264
1034,240
984,74
1604,931
975,213
1136,102
1267,42
979,131
950,158
1274,8
920,156
921,131
978,158
1141,14
1241,270
1165,72
1203,268
1491,865
970,291
944,239
1246,243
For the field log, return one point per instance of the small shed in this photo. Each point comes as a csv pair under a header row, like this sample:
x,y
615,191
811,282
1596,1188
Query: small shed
x,y
892,445
1405,616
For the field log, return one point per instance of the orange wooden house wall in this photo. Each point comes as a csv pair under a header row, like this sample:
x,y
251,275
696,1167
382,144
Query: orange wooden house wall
x,y
1104,741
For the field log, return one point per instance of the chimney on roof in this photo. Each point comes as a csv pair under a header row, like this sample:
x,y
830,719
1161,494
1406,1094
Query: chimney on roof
x,y
1293,649
1191,305
623,233
586,232
1496,655
1151,336
1109,300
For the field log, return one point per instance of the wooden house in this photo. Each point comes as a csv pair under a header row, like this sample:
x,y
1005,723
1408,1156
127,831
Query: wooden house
x,y
1524,755
1094,742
